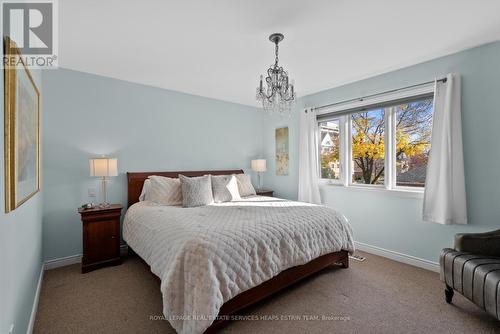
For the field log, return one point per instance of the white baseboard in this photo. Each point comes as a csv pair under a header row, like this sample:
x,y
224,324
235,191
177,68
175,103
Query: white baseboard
x,y
31,324
63,261
73,259
400,257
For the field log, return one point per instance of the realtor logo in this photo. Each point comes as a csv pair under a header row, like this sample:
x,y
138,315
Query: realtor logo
x,y
32,27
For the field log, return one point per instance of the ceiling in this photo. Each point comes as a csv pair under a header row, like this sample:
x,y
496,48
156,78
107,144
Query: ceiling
x,y
218,48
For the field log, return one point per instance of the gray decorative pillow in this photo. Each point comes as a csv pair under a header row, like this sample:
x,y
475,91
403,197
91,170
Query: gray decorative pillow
x,y
225,188
196,191
164,190
245,185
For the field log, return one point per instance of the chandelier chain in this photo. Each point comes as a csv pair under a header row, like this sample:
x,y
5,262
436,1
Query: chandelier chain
x,y
276,54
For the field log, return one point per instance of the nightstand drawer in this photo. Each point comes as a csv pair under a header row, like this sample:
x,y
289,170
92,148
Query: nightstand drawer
x,y
102,241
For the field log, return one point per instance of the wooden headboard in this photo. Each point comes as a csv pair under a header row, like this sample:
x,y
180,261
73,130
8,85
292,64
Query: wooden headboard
x,y
135,181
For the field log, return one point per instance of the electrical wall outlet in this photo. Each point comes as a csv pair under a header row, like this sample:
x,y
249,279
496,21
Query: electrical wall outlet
x,y
11,329
92,192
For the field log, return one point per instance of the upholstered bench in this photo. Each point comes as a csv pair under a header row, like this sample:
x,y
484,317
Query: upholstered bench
x,y
473,269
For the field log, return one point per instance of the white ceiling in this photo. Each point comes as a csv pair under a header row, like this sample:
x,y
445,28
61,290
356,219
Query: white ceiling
x,y
218,48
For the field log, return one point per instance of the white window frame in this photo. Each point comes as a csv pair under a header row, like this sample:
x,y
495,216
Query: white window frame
x,y
338,111
342,151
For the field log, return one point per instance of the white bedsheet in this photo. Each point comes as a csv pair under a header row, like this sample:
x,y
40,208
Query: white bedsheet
x,y
205,256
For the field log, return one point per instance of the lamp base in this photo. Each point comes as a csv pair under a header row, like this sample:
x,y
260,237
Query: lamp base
x,y
261,181
104,203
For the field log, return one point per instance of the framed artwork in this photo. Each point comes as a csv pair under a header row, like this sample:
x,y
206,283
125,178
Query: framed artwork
x,y
282,158
22,131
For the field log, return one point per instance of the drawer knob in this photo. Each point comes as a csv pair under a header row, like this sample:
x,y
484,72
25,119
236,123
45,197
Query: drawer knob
x,y
113,237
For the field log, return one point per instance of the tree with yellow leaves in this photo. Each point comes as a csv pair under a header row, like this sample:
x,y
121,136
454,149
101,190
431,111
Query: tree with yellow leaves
x,y
413,130
368,149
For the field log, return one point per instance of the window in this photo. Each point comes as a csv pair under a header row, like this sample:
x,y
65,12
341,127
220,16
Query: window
x,y
330,149
385,145
413,141
368,146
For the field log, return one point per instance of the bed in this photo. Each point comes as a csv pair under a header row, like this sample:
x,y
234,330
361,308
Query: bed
x,y
215,260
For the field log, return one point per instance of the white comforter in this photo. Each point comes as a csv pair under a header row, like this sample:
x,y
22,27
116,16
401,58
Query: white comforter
x,y
205,256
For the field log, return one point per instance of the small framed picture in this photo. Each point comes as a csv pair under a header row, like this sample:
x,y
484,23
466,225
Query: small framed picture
x,y
282,159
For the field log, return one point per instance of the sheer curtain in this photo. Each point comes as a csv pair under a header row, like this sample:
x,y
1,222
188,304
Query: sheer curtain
x,y
308,158
444,197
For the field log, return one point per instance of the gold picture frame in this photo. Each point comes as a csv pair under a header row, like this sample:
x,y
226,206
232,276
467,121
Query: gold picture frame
x,y
22,130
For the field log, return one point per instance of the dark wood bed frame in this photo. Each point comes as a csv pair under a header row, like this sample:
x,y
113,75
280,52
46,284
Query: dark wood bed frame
x,y
264,290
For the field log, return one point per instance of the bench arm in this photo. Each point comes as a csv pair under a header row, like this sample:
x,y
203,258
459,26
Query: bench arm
x,y
487,243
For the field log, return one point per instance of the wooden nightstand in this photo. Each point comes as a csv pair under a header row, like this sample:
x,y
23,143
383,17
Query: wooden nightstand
x,y
264,192
101,237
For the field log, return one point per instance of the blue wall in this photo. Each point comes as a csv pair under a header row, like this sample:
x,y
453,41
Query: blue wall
x,y
20,247
146,128
149,129
393,221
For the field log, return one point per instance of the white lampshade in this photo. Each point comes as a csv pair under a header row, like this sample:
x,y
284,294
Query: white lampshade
x,y
103,167
259,165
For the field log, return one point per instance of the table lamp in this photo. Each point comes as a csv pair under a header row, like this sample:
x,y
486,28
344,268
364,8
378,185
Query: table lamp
x,y
259,166
103,167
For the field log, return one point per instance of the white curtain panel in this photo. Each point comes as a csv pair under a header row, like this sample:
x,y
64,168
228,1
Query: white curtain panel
x,y
444,197
308,158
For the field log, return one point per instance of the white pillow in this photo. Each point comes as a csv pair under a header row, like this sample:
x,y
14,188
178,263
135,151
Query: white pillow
x,y
145,189
225,188
165,190
245,185
196,191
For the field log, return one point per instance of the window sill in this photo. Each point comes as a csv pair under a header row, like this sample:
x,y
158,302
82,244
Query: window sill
x,y
404,193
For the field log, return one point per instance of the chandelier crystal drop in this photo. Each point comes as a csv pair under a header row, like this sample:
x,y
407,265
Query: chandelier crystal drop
x,y
279,95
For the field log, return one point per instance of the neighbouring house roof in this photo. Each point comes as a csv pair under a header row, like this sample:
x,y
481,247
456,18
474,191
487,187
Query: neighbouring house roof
x,y
416,174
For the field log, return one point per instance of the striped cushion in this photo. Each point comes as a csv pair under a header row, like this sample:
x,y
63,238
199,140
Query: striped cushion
x,y
164,190
245,185
469,271
491,293
477,277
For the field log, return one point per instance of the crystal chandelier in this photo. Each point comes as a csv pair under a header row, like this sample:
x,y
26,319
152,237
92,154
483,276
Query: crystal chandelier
x,y
279,95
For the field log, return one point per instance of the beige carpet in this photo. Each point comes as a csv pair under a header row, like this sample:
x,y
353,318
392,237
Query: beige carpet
x,y
374,296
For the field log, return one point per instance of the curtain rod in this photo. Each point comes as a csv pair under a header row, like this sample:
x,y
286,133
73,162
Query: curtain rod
x,y
377,94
